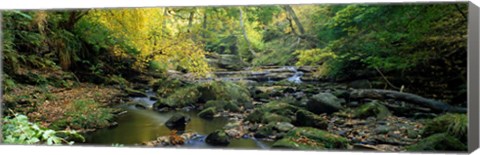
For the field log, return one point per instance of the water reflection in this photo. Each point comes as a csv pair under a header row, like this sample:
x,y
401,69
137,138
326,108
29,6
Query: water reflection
x,y
138,125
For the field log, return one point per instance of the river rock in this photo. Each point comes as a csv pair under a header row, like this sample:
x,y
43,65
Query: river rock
x,y
177,121
207,113
372,109
229,61
340,93
324,103
309,119
160,104
307,69
218,138
284,126
274,111
265,131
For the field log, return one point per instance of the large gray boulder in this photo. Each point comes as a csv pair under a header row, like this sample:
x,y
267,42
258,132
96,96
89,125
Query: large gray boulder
x,y
324,103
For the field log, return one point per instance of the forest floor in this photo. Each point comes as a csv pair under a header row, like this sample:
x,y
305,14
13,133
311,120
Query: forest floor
x,y
49,104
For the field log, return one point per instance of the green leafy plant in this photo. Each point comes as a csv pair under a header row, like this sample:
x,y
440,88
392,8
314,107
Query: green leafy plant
x,y
18,130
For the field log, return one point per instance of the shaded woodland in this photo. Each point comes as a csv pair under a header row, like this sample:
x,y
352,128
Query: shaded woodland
x,y
385,77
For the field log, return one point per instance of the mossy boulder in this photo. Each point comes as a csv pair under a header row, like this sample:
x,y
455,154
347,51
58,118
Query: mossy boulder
x,y
255,116
309,119
280,108
230,106
222,92
218,104
300,143
311,138
230,61
453,124
274,117
225,91
324,103
372,109
207,113
329,140
223,105
438,142
161,104
265,131
183,97
273,129
283,126
273,112
218,138
166,86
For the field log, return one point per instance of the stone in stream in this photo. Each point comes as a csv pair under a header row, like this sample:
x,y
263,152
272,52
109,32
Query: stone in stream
x,y
207,113
218,138
324,103
177,121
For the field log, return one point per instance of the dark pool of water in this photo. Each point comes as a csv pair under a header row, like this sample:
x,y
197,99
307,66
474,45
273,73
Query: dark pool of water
x,y
140,125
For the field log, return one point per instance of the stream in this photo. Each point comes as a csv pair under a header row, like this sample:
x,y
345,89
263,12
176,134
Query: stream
x,y
141,125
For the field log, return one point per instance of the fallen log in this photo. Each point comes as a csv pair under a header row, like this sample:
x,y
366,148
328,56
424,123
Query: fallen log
x,y
434,105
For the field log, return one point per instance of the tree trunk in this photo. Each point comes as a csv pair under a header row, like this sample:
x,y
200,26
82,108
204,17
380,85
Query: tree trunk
x,y
164,24
245,32
290,11
436,106
204,26
73,18
190,19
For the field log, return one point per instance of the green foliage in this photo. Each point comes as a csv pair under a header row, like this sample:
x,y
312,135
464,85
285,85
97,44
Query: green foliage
x,y
18,130
314,56
453,124
8,83
365,36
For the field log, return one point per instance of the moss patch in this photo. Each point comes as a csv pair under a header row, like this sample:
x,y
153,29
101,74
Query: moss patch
x,y
438,142
455,125
328,139
374,109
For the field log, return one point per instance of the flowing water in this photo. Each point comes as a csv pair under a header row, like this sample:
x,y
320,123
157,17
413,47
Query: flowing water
x,y
141,125
296,76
